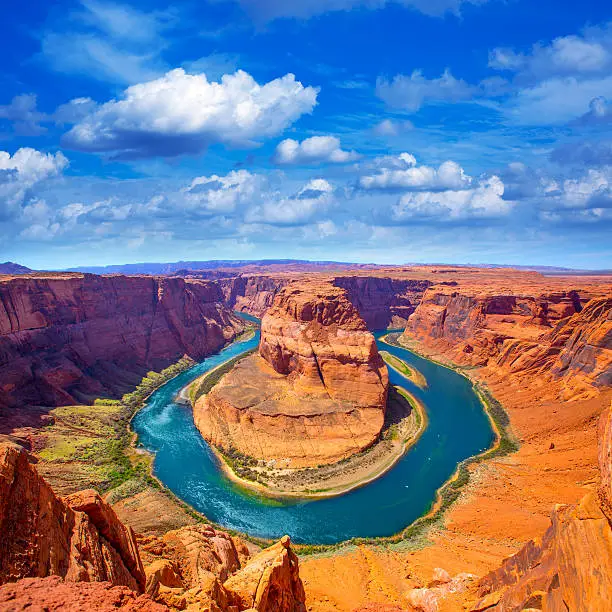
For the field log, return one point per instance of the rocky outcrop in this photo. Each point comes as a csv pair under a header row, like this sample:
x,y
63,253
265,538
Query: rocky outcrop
x,y
314,395
578,349
383,302
53,593
570,567
68,339
270,582
314,335
78,538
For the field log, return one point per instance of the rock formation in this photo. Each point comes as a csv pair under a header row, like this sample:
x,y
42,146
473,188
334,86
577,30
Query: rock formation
x,y
79,538
570,567
67,339
75,553
558,334
315,394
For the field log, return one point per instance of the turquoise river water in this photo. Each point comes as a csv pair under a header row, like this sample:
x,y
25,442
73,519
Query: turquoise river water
x,y
458,428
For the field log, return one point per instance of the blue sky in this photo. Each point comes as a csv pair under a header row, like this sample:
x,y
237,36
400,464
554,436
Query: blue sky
x,y
400,131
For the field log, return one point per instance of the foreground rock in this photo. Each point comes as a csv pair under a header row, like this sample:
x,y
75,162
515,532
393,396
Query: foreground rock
x,y
570,567
79,538
67,339
74,553
53,593
315,394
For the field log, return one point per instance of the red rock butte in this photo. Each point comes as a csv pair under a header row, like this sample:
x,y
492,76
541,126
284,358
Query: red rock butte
x,y
315,394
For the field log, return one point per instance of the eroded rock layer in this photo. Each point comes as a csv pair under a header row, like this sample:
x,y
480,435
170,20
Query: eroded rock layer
x,y
315,394
559,334
570,567
66,339
79,538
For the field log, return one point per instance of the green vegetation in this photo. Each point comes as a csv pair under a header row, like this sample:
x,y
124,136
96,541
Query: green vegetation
x,y
404,369
205,383
90,446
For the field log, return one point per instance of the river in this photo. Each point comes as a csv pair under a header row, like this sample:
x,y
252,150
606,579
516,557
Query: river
x,y
458,428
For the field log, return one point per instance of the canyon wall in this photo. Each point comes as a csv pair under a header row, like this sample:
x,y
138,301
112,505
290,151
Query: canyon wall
x,y
251,294
314,395
562,334
66,339
79,538
383,302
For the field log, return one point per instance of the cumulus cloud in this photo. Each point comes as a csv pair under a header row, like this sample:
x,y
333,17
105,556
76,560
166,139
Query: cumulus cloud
x,y
181,113
21,173
485,200
402,173
268,10
223,194
315,150
304,207
586,54
599,113
554,83
410,93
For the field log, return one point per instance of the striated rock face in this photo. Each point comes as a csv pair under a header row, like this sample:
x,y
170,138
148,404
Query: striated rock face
x,y
559,334
570,567
79,538
251,294
66,339
383,302
315,394
270,582
314,335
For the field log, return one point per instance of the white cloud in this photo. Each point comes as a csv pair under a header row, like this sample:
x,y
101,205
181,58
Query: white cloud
x,y
556,100
403,173
20,175
387,127
304,207
182,113
588,54
410,93
223,194
485,200
318,149
267,10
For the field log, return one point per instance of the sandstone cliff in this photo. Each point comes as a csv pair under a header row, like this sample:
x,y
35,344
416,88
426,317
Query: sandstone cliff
x,y
79,538
66,339
74,553
558,334
315,394
383,302
570,567
252,294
